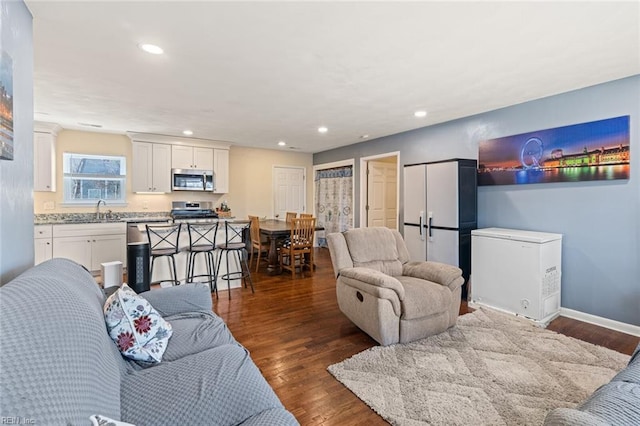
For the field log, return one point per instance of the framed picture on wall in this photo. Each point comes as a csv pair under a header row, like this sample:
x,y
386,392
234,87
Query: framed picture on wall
x,y
597,150
6,106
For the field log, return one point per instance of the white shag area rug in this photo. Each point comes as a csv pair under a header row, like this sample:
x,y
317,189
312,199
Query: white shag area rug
x,y
490,369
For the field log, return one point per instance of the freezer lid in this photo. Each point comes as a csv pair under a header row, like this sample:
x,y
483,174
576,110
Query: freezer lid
x,y
516,235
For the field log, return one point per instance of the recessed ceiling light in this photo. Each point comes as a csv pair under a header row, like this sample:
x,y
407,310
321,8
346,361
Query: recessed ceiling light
x,y
420,113
322,129
151,48
282,143
364,136
187,132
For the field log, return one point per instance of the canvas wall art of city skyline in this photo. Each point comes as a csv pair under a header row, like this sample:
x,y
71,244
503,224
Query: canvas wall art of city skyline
x,y
6,106
597,150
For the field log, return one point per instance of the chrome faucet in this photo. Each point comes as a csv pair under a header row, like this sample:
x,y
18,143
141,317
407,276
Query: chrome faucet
x,y
98,207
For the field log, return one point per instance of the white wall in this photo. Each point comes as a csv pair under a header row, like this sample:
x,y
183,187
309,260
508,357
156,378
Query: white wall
x,y
16,177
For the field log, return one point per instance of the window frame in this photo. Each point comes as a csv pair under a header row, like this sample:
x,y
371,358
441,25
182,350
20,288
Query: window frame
x,y
68,178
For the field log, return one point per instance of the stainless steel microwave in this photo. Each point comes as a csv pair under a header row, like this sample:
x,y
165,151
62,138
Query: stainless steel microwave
x,y
192,180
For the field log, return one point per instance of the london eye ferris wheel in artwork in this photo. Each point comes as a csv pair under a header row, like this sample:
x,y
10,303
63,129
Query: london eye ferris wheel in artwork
x,y
531,153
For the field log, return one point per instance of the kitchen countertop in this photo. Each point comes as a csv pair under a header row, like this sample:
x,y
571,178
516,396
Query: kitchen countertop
x,y
80,218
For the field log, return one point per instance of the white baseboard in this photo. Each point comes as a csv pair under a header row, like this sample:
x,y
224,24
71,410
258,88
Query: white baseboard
x,y
622,327
543,323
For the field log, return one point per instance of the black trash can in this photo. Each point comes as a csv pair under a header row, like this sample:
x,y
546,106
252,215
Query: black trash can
x,y
138,266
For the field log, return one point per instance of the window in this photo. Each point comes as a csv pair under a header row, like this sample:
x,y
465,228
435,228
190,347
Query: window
x,y
89,178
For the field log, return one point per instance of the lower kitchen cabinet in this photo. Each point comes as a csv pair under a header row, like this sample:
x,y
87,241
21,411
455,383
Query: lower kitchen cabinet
x,y
91,244
42,243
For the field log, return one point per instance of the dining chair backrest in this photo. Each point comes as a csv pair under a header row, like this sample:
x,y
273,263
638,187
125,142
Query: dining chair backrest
x,y
254,230
302,230
164,238
202,235
291,216
304,215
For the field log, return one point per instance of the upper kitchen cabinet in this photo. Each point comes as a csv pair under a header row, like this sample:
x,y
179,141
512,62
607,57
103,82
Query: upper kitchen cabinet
x,y
191,157
151,167
178,153
44,156
220,171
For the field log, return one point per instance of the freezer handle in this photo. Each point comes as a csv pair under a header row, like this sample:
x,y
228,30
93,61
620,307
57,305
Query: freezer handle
x,y
421,225
430,224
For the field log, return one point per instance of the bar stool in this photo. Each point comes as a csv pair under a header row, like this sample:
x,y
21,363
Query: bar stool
x,y
202,240
163,242
232,245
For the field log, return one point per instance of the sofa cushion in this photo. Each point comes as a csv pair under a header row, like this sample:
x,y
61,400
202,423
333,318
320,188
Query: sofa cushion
x,y
219,386
195,332
135,326
374,248
423,298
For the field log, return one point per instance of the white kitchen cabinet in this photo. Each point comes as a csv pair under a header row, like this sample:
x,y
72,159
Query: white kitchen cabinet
x,y
104,247
191,157
91,244
42,243
151,171
44,162
221,171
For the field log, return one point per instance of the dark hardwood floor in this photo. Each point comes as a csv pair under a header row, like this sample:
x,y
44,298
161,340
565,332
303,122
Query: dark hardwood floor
x,y
294,331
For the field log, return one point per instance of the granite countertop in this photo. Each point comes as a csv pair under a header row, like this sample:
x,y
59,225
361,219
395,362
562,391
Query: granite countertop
x,y
79,218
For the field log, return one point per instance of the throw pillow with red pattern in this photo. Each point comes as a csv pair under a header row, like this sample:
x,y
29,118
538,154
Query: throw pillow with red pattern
x,y
135,326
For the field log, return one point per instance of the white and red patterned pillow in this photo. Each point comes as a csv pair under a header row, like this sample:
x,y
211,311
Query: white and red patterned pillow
x,y
135,326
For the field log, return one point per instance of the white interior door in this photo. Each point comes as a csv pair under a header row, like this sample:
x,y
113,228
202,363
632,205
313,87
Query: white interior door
x,y
382,193
289,190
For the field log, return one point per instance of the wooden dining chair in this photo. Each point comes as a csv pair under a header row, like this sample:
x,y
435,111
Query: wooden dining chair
x,y
306,215
257,242
291,216
297,251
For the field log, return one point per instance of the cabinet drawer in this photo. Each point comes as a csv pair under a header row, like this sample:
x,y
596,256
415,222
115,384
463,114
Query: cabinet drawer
x,y
89,229
42,231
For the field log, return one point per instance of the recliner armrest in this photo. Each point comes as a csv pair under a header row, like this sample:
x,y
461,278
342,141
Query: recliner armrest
x,y
373,277
440,273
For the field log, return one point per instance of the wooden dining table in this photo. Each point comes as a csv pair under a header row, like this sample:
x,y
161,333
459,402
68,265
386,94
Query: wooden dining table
x,y
276,230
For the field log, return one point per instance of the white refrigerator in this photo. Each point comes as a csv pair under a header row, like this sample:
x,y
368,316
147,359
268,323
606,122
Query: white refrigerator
x,y
517,271
440,210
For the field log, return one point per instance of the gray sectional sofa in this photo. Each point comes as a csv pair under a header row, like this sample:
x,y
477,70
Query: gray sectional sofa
x,y
615,403
58,365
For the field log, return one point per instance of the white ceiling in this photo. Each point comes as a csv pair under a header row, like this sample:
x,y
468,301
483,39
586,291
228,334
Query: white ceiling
x,y
254,73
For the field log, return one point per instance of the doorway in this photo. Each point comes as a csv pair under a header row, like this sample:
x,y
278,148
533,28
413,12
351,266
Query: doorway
x,y
379,177
289,190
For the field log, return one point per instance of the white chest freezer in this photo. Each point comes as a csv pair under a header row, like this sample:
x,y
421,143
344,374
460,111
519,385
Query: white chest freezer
x,y
517,272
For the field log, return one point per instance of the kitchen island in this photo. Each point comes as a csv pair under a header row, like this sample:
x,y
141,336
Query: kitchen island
x,y
95,248
162,268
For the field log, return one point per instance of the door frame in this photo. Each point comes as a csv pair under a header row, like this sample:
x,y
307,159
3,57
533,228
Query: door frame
x,y
273,185
364,162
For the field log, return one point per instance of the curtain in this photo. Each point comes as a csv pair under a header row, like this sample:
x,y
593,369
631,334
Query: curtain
x,y
334,201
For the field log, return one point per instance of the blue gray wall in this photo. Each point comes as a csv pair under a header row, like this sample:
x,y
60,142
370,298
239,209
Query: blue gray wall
x,y
600,221
16,177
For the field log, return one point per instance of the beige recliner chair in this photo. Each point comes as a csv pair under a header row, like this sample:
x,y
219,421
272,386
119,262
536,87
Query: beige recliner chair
x,y
390,298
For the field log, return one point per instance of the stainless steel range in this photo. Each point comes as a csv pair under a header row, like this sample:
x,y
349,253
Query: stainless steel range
x,y
192,211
